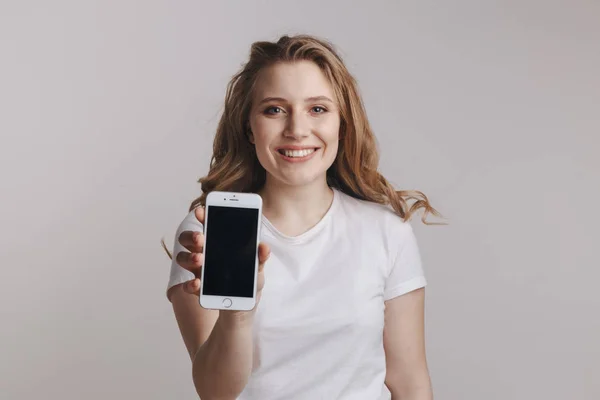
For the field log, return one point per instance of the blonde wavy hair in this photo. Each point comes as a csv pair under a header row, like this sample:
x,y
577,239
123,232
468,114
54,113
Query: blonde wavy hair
x,y
235,167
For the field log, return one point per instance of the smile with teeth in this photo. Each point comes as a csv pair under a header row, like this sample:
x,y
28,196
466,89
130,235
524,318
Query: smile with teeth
x,y
296,153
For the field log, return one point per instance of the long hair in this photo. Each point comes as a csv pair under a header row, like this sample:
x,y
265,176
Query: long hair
x,y
234,165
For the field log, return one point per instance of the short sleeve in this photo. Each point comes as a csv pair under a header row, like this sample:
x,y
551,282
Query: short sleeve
x,y
406,272
179,274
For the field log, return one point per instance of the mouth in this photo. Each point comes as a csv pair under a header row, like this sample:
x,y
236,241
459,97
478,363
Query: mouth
x,y
293,154
297,153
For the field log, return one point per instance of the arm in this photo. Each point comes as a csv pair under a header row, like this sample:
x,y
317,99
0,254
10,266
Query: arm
x,y
219,345
407,374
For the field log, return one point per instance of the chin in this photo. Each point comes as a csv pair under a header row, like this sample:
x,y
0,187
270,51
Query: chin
x,y
298,180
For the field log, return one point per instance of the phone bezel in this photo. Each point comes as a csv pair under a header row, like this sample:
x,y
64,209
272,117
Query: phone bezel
x,y
234,200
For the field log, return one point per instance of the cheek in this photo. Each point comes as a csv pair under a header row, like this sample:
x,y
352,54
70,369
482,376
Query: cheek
x,y
331,132
264,131
262,142
332,150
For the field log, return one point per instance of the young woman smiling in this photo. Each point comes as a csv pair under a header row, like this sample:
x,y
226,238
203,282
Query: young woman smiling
x,y
341,311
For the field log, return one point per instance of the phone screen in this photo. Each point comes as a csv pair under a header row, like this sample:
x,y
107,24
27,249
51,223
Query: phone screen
x,y
230,251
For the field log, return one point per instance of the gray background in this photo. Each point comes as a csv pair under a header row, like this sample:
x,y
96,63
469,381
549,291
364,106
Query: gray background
x,y
108,109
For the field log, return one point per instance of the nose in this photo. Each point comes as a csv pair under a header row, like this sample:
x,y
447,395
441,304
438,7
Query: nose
x,y
298,126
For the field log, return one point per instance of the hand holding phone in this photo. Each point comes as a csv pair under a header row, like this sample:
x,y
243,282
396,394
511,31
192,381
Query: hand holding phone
x,y
232,246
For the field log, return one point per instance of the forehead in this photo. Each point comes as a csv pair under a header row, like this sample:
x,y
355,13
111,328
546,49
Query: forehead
x,y
296,80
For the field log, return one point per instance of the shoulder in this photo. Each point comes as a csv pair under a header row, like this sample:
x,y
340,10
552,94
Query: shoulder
x,y
377,228
190,223
374,215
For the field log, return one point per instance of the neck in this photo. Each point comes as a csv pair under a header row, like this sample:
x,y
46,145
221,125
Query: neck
x,y
295,209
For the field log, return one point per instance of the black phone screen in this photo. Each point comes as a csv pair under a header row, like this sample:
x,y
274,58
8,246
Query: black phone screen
x,y
230,251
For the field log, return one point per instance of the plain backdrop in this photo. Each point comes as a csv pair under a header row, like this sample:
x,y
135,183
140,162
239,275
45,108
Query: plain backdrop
x,y
107,114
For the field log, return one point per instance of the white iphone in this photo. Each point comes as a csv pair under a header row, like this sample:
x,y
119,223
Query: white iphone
x,y
231,235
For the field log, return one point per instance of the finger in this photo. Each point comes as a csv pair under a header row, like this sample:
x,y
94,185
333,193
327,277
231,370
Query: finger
x,y
264,251
193,241
190,261
192,287
199,211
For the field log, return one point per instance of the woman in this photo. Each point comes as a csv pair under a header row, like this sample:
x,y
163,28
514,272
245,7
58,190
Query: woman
x,y
341,310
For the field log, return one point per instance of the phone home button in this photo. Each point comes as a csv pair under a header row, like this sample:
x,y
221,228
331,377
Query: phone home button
x,y
227,303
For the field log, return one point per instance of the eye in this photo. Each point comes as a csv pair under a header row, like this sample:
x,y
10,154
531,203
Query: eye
x,y
318,110
273,110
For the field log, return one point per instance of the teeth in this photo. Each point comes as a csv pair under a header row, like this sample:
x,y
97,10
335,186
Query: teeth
x,y
298,153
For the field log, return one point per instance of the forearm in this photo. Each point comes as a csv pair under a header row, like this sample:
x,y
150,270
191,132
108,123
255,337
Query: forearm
x,y
425,394
223,364
411,389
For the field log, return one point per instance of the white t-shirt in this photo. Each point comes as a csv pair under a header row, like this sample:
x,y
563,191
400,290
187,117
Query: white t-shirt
x,y
319,324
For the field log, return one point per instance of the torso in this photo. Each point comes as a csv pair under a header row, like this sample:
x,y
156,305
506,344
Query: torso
x,y
319,325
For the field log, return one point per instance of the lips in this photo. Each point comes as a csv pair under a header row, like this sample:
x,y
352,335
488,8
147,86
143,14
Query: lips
x,y
297,153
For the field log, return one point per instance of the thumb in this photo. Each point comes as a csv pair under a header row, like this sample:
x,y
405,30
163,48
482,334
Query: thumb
x,y
264,251
200,212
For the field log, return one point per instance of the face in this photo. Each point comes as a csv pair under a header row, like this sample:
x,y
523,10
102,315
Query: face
x,y
295,123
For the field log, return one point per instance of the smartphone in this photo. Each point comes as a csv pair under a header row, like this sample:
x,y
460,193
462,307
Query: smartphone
x,y
232,224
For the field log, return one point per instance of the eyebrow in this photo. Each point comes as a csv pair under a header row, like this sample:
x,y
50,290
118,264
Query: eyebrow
x,y
307,100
